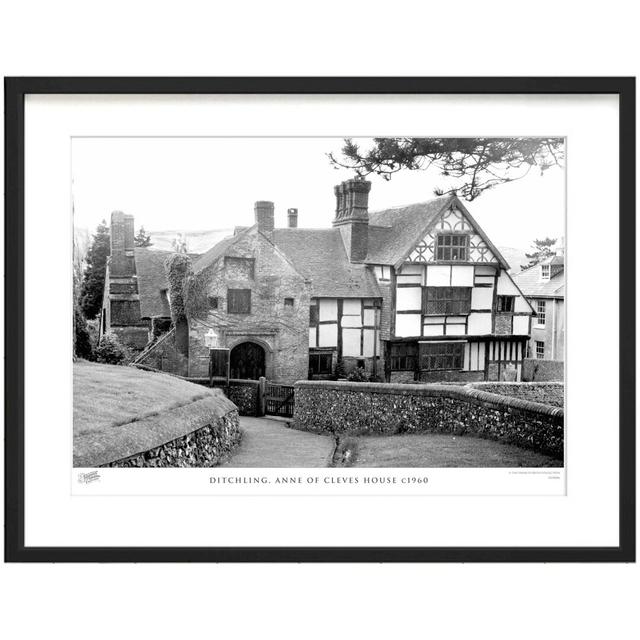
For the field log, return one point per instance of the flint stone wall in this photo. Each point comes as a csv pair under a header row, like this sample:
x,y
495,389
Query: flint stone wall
x,y
373,408
199,433
206,447
244,394
550,393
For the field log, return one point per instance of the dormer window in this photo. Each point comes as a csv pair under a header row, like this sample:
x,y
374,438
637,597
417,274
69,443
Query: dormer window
x,y
545,271
452,247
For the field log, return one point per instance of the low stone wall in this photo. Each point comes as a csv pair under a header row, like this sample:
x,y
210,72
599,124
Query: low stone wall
x,y
408,377
198,433
551,393
534,370
373,408
244,394
206,447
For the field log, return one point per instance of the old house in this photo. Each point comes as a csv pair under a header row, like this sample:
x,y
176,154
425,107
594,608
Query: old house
x,y
543,285
415,293
135,305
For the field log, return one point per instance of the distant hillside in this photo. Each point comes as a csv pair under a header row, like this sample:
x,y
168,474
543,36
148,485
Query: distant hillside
x,y
515,257
197,241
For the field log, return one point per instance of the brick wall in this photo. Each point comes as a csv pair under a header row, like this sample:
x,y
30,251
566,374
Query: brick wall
x,y
370,408
504,323
281,330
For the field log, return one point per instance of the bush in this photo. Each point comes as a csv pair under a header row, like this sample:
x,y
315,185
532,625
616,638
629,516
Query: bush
x,y
111,351
358,375
82,344
340,370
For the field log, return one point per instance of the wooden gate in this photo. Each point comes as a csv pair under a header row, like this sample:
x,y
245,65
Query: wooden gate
x,y
279,400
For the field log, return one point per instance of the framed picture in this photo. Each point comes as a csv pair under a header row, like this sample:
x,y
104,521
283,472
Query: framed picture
x,y
320,319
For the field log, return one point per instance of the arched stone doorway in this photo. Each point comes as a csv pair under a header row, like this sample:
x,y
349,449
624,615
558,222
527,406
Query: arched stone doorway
x,y
247,361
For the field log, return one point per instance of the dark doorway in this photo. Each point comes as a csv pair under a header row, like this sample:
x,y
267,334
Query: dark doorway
x,y
247,361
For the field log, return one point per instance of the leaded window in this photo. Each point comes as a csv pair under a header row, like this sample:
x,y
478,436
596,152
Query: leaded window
x,y
439,356
506,304
446,301
452,247
404,356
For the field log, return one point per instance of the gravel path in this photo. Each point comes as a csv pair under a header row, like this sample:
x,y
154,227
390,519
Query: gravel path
x,y
269,443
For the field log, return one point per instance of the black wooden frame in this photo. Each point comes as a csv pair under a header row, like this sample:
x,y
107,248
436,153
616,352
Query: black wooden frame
x,y
15,91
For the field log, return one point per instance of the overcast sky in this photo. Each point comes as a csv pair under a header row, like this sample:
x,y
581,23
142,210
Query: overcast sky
x,y
188,184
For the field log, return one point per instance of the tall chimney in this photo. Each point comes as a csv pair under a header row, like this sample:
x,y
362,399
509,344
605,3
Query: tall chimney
x,y
352,216
264,215
122,258
292,216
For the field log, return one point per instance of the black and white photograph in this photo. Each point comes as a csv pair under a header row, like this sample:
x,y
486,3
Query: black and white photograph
x,y
316,302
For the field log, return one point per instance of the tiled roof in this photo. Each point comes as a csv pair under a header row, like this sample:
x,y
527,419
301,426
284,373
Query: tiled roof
x,y
216,252
152,280
394,232
320,256
532,286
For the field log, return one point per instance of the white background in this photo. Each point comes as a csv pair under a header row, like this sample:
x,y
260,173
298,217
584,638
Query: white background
x,y
319,601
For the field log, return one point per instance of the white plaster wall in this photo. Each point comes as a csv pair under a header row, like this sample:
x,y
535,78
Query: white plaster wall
x,y
328,335
351,342
407,324
462,276
455,330
479,323
351,307
481,298
520,325
433,329
368,340
438,275
328,309
409,299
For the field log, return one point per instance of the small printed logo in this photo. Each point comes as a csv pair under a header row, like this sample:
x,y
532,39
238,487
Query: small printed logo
x,y
86,478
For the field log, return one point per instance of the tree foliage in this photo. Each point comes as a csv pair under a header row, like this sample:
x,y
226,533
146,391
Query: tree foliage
x,y
92,288
111,350
82,345
142,239
542,249
471,165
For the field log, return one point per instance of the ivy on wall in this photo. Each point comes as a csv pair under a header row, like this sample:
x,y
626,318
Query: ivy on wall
x,y
197,294
188,291
179,270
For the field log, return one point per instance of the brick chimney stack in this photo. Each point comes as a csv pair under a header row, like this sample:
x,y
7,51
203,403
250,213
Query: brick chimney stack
x,y
264,215
122,259
352,216
292,218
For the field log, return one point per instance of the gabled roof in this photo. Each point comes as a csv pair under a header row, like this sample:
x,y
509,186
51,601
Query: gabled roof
x,y
152,280
394,233
532,286
320,256
216,252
